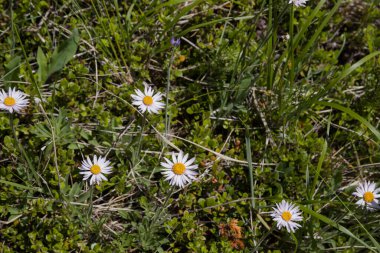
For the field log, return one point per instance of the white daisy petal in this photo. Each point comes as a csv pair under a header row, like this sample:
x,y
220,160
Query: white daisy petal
x,y
184,158
166,165
138,103
92,180
143,108
174,157
195,166
86,177
89,162
106,171
177,172
153,110
160,105
168,162
367,194
147,101
85,164
180,156
187,163
95,169
135,97
298,3
285,214
192,173
371,187
157,97
13,101
103,177
150,92
140,94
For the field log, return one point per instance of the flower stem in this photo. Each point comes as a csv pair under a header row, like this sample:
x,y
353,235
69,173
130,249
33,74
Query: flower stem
x,y
167,123
90,206
291,51
138,150
250,167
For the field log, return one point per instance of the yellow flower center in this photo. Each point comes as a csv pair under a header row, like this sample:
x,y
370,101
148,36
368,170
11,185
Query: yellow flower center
x,y
9,101
286,216
179,168
368,197
148,100
95,169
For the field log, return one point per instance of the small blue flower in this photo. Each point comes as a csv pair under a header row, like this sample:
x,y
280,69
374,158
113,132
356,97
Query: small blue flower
x,y
175,42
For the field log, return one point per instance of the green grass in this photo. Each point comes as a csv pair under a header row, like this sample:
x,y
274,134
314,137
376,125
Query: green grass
x,y
274,101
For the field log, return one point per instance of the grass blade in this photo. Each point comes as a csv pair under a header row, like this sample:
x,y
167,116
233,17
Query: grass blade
x,y
250,167
335,225
20,186
319,166
353,114
306,104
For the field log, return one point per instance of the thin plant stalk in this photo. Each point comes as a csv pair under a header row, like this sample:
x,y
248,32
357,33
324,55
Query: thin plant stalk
x,y
250,167
291,52
91,204
167,122
270,48
138,151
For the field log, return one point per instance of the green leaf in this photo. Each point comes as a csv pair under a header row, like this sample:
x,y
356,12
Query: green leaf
x,y
84,197
242,91
20,186
320,162
74,191
305,26
64,53
13,69
42,66
183,12
320,28
8,142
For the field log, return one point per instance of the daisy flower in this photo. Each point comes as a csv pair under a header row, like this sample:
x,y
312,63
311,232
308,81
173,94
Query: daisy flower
x,y
180,171
95,169
13,101
146,101
298,3
286,214
368,194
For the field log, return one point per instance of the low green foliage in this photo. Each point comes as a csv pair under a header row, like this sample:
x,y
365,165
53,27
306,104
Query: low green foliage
x,y
274,101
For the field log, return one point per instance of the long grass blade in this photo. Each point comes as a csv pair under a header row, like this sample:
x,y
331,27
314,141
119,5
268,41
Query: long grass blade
x,y
353,114
335,225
